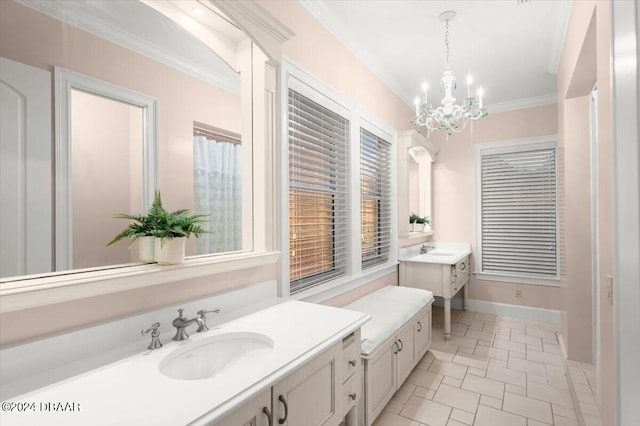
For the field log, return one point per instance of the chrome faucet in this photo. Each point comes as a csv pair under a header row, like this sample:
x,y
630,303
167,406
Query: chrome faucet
x,y
203,316
181,323
424,249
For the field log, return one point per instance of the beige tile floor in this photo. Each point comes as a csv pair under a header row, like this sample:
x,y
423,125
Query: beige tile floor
x,y
495,371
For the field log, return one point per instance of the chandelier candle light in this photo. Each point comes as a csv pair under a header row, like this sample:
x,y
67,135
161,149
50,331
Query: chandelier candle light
x,y
449,116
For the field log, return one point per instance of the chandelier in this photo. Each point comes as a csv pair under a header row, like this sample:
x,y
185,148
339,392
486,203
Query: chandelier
x,y
449,116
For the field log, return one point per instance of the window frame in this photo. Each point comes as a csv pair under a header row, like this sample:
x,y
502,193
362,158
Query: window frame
x,y
293,76
506,146
379,200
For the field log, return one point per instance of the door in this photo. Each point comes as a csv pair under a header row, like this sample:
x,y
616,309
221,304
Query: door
x,y
309,395
25,172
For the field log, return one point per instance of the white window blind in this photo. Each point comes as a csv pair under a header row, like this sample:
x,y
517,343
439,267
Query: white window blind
x,y
318,159
375,199
518,212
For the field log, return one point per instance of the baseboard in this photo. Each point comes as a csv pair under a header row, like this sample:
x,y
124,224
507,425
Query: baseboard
x,y
572,386
505,309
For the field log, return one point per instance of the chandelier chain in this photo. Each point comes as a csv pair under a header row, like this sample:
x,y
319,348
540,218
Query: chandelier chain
x,y
446,40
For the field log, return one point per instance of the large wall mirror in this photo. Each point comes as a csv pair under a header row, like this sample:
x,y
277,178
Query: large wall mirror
x,y
102,103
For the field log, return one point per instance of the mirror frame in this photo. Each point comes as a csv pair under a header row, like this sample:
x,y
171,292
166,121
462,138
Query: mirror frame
x,y
259,84
64,82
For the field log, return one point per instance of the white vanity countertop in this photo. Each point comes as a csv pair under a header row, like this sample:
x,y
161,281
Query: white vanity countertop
x,y
443,253
133,391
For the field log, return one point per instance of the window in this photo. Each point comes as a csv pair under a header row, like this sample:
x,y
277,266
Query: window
x,y
375,199
318,159
517,211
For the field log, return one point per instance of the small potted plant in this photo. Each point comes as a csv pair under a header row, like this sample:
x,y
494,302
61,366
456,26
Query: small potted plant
x,y
421,222
171,231
413,219
142,228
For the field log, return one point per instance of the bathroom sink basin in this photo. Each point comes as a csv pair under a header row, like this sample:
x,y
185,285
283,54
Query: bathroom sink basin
x,y
438,252
207,358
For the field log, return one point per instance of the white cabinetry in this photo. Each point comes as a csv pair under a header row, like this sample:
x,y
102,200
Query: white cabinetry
x,y
321,392
443,279
389,365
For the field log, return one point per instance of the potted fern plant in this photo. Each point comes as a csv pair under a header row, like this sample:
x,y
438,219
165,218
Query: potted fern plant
x,y
142,228
421,222
413,219
171,231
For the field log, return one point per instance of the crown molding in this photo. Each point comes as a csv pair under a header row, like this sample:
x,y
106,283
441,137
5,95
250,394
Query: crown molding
x,y
258,16
95,25
534,101
559,34
318,10
264,29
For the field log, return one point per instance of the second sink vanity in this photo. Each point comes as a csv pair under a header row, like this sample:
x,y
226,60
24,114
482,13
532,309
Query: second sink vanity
x,y
442,268
295,363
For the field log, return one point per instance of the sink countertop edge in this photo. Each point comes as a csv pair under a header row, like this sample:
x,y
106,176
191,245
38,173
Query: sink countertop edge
x,y
445,260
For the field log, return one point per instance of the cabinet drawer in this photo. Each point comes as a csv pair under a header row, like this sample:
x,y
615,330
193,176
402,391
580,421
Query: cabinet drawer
x,y
351,393
350,356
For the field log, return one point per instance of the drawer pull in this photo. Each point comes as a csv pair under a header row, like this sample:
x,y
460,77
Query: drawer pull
x,y
353,396
286,410
462,266
401,345
352,362
397,347
267,413
419,326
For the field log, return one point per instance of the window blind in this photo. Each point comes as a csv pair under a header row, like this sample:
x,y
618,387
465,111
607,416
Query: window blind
x,y
518,213
318,159
375,199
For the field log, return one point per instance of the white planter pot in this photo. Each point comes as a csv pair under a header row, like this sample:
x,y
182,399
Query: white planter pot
x,y
412,226
419,227
170,252
147,249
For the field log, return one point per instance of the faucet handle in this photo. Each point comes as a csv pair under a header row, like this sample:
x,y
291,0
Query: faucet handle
x,y
180,311
202,327
153,330
155,336
203,312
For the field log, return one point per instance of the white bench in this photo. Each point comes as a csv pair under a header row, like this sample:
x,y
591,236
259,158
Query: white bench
x,y
393,342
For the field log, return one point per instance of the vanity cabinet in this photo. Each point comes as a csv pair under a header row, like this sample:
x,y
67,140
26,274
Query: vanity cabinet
x,y
324,390
443,279
388,366
321,392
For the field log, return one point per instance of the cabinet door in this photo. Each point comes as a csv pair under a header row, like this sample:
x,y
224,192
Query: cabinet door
x,y
406,352
254,413
380,381
423,332
311,394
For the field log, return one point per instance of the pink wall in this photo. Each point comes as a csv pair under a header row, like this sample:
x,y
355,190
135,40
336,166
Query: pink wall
x,y
586,59
454,187
315,49
101,147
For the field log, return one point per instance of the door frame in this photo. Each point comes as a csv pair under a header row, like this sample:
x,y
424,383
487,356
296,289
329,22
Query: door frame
x,y
64,82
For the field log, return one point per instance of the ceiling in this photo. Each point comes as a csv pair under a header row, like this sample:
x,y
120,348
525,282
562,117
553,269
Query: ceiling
x,y
511,49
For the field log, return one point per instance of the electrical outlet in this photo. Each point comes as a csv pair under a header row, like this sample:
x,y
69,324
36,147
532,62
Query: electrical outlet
x,y
610,289
519,294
